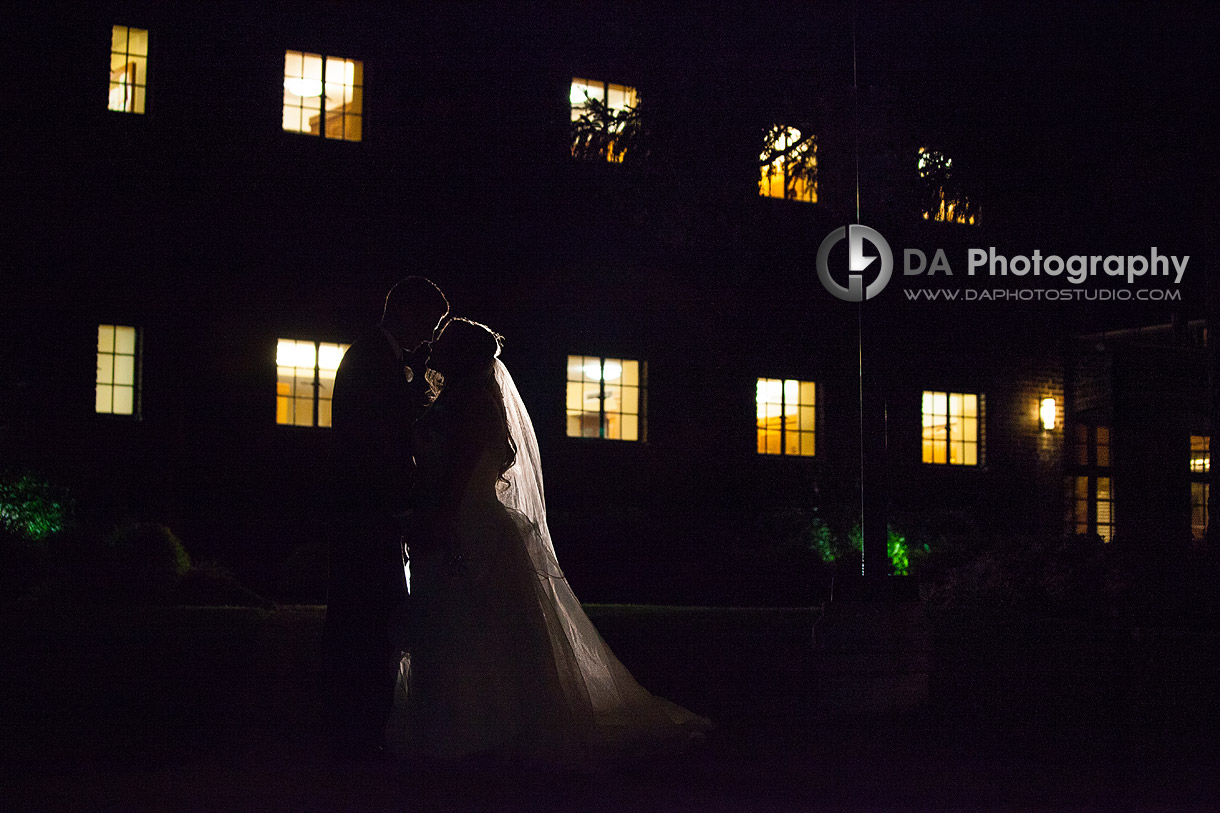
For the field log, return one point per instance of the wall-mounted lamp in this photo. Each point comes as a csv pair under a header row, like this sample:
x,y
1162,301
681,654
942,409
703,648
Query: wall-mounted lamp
x,y
1047,413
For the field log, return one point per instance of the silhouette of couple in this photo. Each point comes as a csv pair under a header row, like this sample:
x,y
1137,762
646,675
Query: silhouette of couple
x,y
490,657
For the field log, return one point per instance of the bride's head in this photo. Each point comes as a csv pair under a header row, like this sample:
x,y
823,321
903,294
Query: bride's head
x,y
465,351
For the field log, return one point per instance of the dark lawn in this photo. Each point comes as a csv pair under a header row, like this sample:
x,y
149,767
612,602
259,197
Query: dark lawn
x,y
214,708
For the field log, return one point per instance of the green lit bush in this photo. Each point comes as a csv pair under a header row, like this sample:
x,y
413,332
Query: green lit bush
x,y
834,548
32,508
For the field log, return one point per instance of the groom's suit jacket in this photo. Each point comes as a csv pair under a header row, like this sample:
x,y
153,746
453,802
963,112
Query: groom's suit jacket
x,y
372,410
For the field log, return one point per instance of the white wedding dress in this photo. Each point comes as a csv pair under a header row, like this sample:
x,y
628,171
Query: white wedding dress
x,y
505,664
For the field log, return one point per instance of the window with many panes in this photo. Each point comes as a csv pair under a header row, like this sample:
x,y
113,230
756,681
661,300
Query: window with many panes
x,y
787,416
118,376
305,381
1090,488
323,95
601,112
1200,485
951,428
789,165
606,398
128,69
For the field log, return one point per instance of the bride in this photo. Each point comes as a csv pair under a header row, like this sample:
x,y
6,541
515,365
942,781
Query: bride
x,y
505,665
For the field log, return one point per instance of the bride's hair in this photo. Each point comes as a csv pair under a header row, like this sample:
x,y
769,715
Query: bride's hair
x,y
466,351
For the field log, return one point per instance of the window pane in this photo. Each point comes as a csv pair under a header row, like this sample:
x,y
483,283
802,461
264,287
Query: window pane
x,y
613,401
592,397
592,368
105,368
574,399
137,42
104,398
576,368
125,370
581,91
105,338
124,400
807,444
1103,456
118,39
125,340
631,400
807,419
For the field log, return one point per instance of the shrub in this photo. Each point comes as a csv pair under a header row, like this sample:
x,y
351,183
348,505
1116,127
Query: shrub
x,y
208,584
303,575
148,562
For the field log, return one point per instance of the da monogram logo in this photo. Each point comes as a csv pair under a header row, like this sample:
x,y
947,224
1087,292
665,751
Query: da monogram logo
x,y
856,263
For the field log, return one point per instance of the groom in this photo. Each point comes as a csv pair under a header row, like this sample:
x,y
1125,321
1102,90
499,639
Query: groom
x,y
379,392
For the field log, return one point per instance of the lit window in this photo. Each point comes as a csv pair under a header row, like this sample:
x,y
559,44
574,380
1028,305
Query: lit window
x,y
1200,454
306,381
601,112
332,108
606,398
116,370
1200,488
941,199
789,165
128,68
951,428
786,416
1090,497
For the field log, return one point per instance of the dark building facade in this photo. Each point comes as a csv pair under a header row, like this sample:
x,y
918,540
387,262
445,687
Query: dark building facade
x,y
243,224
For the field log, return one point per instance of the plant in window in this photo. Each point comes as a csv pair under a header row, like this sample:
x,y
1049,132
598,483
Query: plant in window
x,y
607,123
940,193
788,164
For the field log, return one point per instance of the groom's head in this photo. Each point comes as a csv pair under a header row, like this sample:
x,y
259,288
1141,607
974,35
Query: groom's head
x,y
414,309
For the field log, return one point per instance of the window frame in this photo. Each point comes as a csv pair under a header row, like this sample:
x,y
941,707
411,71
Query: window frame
x,y
1090,469
781,164
316,385
1200,484
137,380
783,423
576,111
979,417
357,85
641,386
139,90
